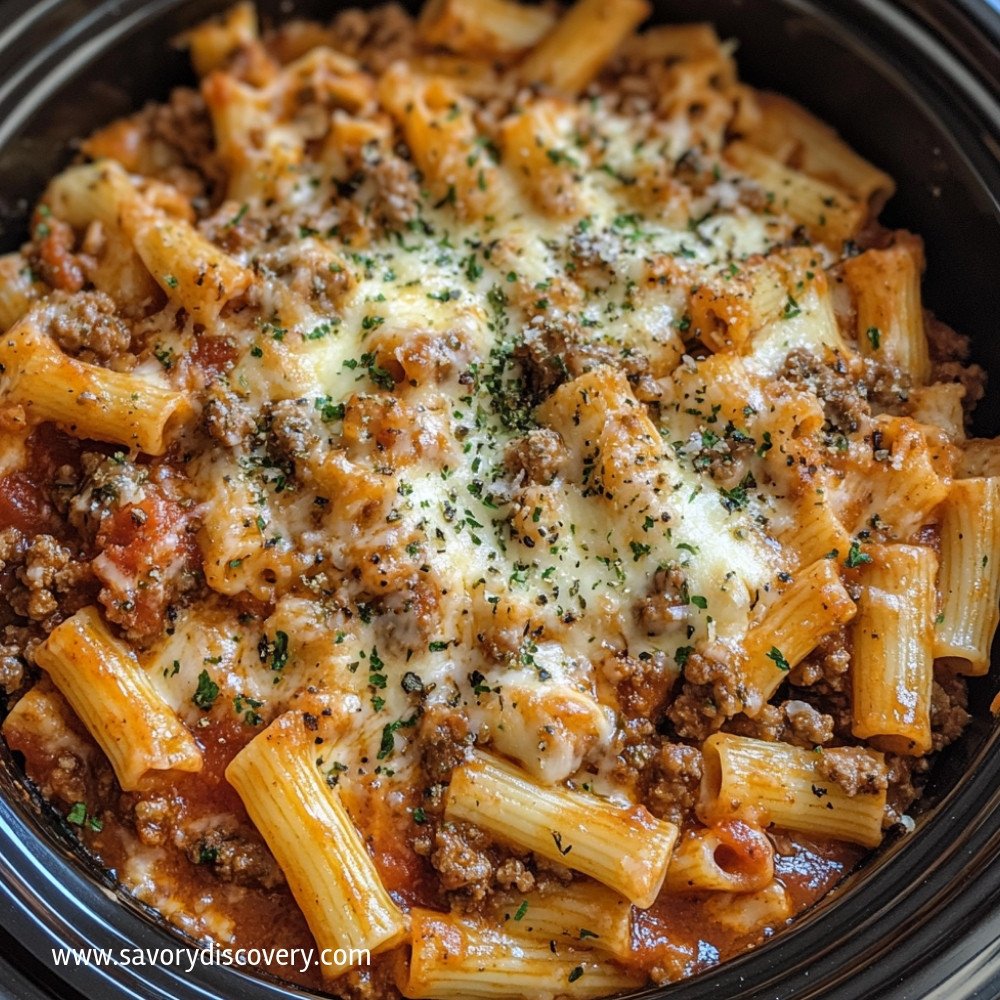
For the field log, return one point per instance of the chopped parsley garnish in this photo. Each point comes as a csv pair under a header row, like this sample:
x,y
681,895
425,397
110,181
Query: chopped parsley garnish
x,y
204,697
388,743
165,356
856,557
247,707
239,216
557,837
411,683
276,651
682,654
778,658
791,310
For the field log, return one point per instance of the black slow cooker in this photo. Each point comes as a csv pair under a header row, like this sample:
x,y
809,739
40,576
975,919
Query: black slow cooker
x,y
915,86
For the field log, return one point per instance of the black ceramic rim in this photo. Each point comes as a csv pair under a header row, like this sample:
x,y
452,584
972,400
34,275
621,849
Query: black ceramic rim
x,y
923,920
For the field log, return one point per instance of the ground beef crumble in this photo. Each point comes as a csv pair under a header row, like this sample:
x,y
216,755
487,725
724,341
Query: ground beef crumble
x,y
794,722
665,777
538,457
237,858
949,704
51,581
712,692
88,325
227,419
857,770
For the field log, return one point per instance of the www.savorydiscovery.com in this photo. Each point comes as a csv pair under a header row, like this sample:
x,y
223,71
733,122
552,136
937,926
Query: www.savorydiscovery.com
x,y
188,959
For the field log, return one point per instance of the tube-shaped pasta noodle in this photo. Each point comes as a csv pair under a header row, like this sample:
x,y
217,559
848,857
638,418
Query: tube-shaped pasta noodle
x,y
939,405
17,289
829,214
675,42
776,783
728,310
213,42
192,271
307,828
905,489
583,914
892,665
188,268
439,128
625,848
90,192
817,532
87,400
236,554
728,857
969,576
750,913
260,156
547,727
485,28
538,153
890,319
582,41
813,606
110,692
785,130
463,958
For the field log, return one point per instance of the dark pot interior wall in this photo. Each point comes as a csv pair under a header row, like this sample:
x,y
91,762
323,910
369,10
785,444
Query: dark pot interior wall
x,y
923,912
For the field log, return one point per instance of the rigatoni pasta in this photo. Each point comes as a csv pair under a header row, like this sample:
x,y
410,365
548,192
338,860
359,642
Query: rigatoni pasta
x,y
456,957
572,54
774,783
583,914
557,824
481,498
115,700
321,853
892,664
89,401
969,574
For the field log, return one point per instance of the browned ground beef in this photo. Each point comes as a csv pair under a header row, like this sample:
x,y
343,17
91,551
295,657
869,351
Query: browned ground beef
x,y
397,194
51,583
445,741
849,392
291,428
949,704
905,779
857,770
236,857
827,664
712,692
88,325
538,457
226,417
52,256
669,781
465,858
184,125
795,722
